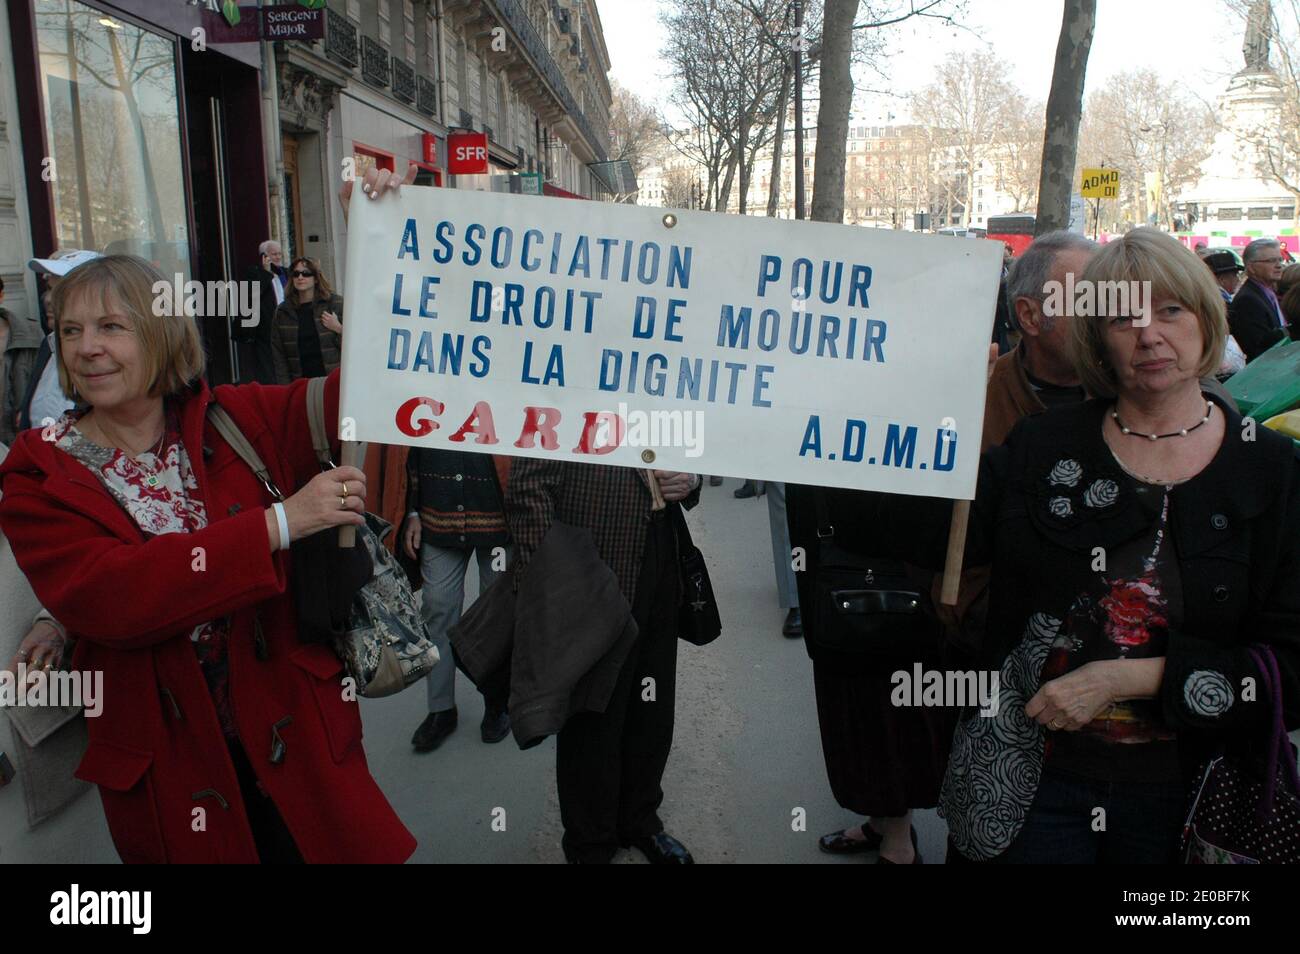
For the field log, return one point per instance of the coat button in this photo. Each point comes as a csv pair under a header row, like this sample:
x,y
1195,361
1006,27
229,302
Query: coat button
x,y
1219,522
459,477
460,506
1220,593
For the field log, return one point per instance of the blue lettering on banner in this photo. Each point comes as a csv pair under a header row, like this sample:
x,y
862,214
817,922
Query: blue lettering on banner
x,y
397,297
473,235
443,255
528,240
480,301
855,440
812,437
503,240
409,242
899,447
427,294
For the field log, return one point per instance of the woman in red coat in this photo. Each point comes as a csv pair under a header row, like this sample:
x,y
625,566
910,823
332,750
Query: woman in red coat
x,y
222,737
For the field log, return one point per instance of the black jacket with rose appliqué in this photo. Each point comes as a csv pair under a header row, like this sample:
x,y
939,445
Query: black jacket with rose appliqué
x,y
1053,493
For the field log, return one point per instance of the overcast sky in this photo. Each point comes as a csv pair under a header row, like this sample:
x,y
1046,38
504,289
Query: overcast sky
x,y
1197,42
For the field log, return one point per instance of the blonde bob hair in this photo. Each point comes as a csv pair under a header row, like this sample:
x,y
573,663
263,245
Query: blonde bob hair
x,y
1148,255
169,340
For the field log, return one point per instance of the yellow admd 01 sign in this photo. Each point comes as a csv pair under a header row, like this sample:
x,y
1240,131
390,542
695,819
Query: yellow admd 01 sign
x,y
1100,184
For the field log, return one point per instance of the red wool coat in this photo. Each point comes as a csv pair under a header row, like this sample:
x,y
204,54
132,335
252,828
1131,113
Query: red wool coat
x,y
157,752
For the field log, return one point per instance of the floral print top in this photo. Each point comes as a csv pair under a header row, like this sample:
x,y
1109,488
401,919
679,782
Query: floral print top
x,y
1127,613
160,494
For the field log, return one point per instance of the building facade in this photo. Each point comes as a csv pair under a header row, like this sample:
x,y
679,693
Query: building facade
x,y
156,127
126,131
392,78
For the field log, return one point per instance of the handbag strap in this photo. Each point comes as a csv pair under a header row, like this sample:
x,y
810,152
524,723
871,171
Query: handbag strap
x,y
320,441
1279,749
225,426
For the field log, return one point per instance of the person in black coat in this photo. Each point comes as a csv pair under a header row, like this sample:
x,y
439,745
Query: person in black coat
x,y
1141,544
1255,316
255,341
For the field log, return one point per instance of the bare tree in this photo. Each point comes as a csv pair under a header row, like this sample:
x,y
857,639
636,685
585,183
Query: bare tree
x,y
728,76
1064,110
1020,159
1154,133
634,128
968,108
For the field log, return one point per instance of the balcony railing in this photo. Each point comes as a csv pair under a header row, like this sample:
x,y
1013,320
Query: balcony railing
x,y
374,62
340,38
516,17
426,96
403,81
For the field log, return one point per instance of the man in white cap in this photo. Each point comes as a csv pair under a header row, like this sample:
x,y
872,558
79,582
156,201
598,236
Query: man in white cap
x,y
45,399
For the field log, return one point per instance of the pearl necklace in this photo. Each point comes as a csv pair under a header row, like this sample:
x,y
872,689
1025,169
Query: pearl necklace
x,y
1114,414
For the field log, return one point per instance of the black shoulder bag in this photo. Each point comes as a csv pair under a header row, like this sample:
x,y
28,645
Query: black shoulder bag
x,y
698,620
862,605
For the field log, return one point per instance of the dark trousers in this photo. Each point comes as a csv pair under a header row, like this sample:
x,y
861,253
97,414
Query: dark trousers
x,y
1143,822
609,765
275,846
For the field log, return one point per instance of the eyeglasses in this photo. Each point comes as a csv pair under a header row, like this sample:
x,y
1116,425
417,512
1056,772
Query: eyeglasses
x,y
1269,261
302,274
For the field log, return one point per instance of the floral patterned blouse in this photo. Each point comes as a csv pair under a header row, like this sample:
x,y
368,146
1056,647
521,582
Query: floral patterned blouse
x,y
1128,613
160,494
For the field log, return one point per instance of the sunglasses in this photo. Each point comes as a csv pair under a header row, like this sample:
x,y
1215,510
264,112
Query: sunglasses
x,y
302,274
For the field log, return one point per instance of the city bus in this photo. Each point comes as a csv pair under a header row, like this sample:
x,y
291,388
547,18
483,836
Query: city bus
x,y
1016,230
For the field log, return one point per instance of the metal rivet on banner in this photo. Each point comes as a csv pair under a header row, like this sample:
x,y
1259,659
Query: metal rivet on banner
x,y
670,220
648,456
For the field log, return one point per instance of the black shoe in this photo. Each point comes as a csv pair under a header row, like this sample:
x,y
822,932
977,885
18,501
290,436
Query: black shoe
x,y
715,481
793,627
837,843
434,729
663,849
495,725
745,491
915,850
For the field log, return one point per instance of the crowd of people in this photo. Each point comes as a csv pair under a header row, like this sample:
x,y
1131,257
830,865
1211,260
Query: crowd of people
x,y
1119,679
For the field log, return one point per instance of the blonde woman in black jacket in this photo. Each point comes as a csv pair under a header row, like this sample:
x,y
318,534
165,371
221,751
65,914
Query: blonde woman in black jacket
x,y
1140,543
307,331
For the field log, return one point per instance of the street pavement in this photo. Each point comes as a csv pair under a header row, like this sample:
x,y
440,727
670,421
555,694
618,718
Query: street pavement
x,y
746,751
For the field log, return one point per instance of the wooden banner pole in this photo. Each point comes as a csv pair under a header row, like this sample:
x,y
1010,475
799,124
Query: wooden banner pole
x,y
956,550
353,456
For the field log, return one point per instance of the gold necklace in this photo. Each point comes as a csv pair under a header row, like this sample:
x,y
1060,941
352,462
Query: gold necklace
x,y
151,477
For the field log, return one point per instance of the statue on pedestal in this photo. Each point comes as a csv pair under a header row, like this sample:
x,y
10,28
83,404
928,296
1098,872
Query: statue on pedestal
x,y
1259,31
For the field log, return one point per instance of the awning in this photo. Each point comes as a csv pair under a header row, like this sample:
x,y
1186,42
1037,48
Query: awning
x,y
548,189
617,176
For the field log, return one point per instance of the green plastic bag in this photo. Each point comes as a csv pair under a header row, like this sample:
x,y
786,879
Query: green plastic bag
x,y
1270,384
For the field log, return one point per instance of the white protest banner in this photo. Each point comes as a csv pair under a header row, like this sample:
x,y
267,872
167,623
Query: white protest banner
x,y
690,341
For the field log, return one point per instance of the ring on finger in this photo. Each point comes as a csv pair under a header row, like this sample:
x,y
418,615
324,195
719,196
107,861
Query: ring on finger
x,y
343,503
345,488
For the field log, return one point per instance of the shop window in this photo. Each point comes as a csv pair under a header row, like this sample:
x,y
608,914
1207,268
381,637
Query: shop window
x,y
1229,213
367,157
1260,212
113,127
